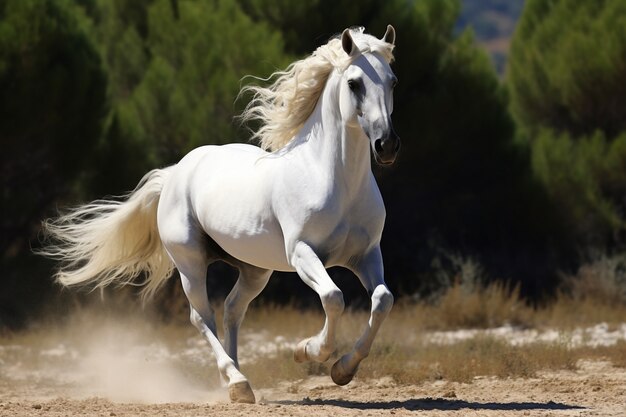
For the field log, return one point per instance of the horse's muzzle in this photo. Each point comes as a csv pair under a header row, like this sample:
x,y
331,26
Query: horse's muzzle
x,y
386,149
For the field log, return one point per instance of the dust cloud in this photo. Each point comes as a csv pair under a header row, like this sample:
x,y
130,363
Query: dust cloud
x,y
125,366
122,360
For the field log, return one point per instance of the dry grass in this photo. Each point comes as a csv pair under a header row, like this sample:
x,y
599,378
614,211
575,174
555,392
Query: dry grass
x,y
402,350
594,295
466,360
597,293
485,307
411,360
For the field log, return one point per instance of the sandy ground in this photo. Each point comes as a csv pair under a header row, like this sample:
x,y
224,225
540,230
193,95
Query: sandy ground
x,y
114,372
596,389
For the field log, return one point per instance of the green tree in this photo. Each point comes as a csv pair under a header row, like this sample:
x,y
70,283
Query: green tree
x,y
175,69
586,178
568,66
52,106
567,77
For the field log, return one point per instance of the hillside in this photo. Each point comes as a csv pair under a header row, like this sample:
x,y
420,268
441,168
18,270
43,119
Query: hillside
x,y
493,22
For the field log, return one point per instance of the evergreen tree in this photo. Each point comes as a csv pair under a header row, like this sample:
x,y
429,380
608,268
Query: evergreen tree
x,y
175,70
52,105
568,66
567,78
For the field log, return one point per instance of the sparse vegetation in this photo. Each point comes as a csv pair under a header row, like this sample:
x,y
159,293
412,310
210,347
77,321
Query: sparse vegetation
x,y
404,352
418,343
468,359
412,359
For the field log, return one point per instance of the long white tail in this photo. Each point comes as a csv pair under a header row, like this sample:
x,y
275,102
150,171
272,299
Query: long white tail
x,y
112,242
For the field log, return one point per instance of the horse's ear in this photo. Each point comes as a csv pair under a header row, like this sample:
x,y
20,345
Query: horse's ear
x,y
390,35
347,42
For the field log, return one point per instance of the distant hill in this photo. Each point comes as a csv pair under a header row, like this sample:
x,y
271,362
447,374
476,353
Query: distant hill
x,y
493,22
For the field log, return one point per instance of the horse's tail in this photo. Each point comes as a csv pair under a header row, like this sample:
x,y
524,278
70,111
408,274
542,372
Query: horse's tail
x,y
112,242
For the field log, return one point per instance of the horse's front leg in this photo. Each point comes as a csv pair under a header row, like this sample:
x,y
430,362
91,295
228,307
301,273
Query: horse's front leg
x,y
370,271
311,270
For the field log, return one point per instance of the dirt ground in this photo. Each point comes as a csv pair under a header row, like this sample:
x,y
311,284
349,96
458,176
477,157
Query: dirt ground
x,y
95,368
596,388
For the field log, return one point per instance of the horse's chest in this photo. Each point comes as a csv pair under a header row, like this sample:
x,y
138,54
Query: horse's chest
x,y
349,239
352,239
338,224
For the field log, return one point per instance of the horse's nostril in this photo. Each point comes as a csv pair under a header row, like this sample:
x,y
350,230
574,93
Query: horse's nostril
x,y
378,145
397,148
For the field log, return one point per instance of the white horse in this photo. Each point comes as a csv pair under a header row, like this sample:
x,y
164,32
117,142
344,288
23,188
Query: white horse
x,y
308,204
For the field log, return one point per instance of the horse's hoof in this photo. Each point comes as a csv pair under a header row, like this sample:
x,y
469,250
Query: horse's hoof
x,y
240,392
339,374
299,354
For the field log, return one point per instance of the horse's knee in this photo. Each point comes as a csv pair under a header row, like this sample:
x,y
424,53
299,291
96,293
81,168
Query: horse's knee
x,y
333,302
382,300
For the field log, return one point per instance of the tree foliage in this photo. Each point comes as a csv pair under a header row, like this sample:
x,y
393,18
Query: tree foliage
x,y
567,77
586,178
568,66
52,105
175,69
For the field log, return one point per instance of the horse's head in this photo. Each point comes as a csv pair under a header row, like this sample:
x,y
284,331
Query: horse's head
x,y
366,96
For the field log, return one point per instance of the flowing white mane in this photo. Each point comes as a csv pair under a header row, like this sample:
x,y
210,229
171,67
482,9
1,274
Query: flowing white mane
x,y
283,107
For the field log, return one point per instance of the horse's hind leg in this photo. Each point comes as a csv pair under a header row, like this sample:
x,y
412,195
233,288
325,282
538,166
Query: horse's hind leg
x,y
203,319
250,283
192,261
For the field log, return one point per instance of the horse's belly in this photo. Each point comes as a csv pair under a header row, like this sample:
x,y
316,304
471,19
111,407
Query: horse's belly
x,y
264,250
245,228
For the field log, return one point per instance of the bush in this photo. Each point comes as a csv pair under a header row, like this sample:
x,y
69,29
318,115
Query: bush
x,y
602,281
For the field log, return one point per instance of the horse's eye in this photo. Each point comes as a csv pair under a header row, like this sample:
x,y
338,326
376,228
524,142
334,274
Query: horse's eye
x,y
354,85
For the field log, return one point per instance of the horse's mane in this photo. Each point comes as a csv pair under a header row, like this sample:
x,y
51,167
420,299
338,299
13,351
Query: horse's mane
x,y
284,106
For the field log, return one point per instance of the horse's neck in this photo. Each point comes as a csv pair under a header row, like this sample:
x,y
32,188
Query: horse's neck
x,y
334,147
